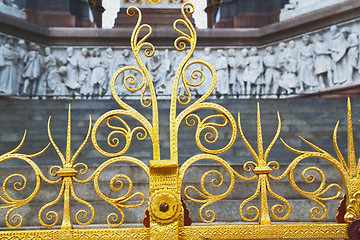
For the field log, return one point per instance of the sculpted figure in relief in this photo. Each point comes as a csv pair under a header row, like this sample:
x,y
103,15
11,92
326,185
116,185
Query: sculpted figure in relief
x,y
243,62
253,73
98,74
9,81
72,75
110,68
288,63
352,52
56,82
338,49
21,52
323,62
233,71
49,64
272,73
221,67
32,70
84,73
307,78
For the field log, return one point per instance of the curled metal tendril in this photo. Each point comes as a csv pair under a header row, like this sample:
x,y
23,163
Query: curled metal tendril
x,y
212,135
117,185
53,171
130,85
131,11
136,46
248,166
51,215
275,166
113,217
149,52
15,219
214,181
207,198
199,76
124,130
18,186
84,168
279,208
180,42
82,213
315,212
251,210
209,214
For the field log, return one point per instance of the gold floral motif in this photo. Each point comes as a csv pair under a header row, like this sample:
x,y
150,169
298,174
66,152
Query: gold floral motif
x,y
262,171
67,174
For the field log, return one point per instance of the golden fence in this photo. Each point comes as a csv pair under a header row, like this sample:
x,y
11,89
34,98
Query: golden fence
x,y
167,216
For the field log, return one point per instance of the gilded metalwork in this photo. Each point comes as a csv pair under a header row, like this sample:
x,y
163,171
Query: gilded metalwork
x,y
67,174
166,211
262,170
10,202
349,173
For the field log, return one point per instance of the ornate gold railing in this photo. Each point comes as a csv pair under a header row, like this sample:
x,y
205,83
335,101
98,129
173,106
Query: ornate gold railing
x,y
167,215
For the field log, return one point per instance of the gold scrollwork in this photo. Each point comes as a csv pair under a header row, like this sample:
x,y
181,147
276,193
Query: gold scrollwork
x,y
130,83
116,185
349,173
188,112
67,174
207,197
262,170
19,185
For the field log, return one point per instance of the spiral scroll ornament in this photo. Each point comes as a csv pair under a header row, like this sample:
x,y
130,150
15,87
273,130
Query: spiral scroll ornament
x,y
349,172
132,84
11,203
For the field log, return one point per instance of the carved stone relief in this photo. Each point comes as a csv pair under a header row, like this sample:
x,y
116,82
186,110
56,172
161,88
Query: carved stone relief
x,y
323,60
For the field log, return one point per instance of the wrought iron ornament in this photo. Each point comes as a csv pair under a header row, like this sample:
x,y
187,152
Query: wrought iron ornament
x,y
167,216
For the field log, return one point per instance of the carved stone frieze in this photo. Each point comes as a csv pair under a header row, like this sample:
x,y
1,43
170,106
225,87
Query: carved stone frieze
x,y
324,60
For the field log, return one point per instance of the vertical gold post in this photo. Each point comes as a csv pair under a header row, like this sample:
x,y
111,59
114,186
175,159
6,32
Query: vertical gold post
x,y
264,207
164,204
66,222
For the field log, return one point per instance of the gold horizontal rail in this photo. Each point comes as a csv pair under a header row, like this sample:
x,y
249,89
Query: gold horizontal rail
x,y
243,231
103,234
272,231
